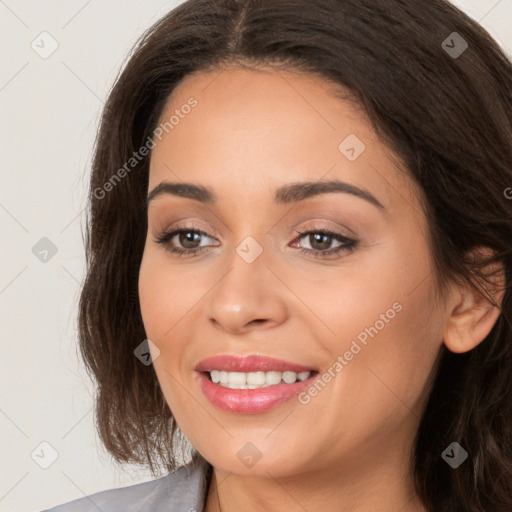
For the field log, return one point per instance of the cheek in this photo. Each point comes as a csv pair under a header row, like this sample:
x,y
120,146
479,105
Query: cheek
x,y
363,291
383,322
150,295
161,309
165,296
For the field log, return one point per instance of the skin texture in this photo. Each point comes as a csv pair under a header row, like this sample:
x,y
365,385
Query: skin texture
x,y
348,449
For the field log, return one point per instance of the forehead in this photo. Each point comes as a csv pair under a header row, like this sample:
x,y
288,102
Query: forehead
x,y
254,126
260,101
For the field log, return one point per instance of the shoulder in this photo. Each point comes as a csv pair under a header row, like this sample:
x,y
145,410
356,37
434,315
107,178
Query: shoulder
x,y
183,489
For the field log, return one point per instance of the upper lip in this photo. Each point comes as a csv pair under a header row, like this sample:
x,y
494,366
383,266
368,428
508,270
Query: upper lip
x,y
250,363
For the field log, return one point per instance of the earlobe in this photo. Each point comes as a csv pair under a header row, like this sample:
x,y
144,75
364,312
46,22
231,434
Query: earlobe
x,y
471,315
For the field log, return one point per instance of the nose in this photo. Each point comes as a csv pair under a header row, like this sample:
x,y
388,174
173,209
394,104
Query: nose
x,y
248,296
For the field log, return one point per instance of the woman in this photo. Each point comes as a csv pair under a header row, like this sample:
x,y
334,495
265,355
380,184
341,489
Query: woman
x,y
300,214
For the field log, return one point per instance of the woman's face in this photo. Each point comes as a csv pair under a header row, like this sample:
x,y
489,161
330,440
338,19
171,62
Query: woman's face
x,y
362,317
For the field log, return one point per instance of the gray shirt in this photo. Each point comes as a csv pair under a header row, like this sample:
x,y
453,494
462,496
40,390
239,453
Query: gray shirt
x,y
182,490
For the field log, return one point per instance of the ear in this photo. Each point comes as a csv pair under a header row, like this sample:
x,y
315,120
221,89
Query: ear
x,y
471,315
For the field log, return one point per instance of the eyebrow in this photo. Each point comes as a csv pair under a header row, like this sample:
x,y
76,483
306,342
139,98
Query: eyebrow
x,y
291,193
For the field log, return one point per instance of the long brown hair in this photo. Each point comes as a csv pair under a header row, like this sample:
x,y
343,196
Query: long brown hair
x,y
443,104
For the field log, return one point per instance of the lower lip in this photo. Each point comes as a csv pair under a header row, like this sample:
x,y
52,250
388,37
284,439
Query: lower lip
x,y
251,401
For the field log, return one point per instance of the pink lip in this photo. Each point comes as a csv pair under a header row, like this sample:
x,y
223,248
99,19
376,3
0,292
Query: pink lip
x,y
253,363
250,401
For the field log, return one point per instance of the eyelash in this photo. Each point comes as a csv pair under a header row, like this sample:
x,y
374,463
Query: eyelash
x,y
349,244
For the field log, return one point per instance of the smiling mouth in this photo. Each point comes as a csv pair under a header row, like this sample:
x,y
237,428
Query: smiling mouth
x,y
256,380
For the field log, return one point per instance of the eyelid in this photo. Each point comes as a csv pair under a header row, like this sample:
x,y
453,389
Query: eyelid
x,y
170,233
326,225
192,225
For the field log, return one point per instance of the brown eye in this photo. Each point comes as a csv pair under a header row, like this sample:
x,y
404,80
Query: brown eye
x,y
188,239
320,241
184,241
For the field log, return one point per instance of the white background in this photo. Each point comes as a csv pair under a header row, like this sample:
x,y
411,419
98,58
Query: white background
x,y
50,110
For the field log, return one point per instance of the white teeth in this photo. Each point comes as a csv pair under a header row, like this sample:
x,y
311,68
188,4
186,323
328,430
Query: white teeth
x,y
273,378
303,375
253,380
289,377
237,379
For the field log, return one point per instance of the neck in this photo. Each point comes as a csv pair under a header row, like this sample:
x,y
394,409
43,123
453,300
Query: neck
x,y
365,483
